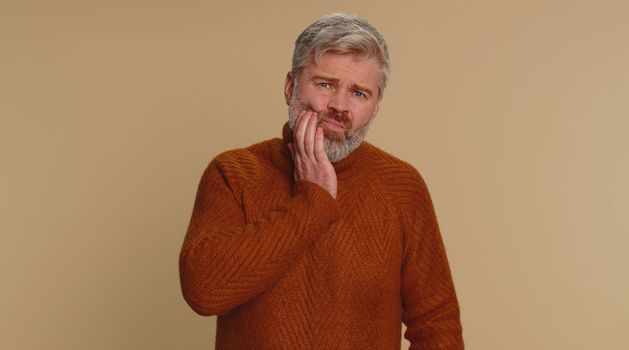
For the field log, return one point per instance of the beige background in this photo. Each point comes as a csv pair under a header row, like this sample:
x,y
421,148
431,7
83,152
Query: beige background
x,y
516,113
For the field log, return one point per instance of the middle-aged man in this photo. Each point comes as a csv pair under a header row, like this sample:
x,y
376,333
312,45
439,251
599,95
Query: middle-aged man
x,y
319,240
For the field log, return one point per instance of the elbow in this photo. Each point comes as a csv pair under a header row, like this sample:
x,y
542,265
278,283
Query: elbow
x,y
203,307
202,295
202,301
201,298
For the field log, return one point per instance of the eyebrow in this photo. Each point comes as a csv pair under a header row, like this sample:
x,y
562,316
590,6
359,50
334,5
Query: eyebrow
x,y
354,86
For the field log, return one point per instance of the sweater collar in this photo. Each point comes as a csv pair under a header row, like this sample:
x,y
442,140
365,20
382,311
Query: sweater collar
x,y
284,158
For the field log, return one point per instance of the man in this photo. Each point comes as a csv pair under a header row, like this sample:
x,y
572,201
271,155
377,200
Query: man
x,y
319,240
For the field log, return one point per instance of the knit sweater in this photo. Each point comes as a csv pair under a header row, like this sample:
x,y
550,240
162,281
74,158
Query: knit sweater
x,y
286,266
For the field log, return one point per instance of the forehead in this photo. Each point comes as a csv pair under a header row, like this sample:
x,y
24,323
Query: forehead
x,y
348,68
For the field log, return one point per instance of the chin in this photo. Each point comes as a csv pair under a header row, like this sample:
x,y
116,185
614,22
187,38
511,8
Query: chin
x,y
333,135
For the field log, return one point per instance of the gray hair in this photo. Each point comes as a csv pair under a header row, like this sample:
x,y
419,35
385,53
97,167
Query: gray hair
x,y
345,34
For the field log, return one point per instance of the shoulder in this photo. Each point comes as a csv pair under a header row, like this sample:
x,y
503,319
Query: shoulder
x,y
399,182
244,164
247,158
391,170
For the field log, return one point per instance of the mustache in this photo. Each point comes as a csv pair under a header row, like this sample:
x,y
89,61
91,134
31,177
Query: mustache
x,y
342,118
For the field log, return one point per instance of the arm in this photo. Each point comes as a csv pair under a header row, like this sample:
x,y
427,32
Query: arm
x,y
430,306
224,262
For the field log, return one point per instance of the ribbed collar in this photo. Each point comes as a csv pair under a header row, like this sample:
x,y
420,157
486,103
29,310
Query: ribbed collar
x,y
284,159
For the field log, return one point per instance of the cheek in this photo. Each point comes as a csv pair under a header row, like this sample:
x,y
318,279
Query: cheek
x,y
371,109
362,114
313,101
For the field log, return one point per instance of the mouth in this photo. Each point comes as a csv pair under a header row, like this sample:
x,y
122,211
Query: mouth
x,y
332,125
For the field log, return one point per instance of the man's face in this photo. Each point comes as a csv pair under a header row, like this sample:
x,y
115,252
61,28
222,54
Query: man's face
x,y
343,90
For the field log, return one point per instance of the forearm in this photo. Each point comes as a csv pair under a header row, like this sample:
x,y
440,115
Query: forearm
x,y
435,327
226,264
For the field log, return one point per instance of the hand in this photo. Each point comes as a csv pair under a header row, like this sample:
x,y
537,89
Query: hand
x,y
311,161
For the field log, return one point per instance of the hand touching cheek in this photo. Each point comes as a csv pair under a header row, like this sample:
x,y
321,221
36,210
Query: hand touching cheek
x,y
309,157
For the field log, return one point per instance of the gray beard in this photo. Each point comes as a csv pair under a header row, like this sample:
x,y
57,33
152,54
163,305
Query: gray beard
x,y
336,150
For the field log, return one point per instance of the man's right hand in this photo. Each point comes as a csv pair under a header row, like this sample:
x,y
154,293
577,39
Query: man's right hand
x,y
309,157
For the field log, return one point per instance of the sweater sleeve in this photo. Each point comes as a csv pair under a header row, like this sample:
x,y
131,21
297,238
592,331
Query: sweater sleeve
x,y
430,307
225,262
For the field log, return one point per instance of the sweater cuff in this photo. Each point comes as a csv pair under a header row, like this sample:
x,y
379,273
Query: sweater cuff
x,y
318,202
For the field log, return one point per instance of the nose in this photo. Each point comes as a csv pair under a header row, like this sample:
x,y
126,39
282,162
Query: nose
x,y
338,102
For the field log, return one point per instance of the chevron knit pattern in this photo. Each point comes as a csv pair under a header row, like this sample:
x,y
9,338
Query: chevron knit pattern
x,y
286,266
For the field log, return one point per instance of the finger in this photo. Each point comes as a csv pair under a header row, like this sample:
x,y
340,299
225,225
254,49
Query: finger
x,y
300,114
299,134
309,138
319,144
298,119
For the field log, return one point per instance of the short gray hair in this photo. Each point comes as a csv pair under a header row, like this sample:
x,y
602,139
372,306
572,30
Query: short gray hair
x,y
341,33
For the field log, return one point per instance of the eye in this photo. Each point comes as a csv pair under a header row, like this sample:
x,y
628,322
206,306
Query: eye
x,y
359,93
324,85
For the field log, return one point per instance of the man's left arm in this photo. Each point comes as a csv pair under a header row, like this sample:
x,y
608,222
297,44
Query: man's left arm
x,y
430,306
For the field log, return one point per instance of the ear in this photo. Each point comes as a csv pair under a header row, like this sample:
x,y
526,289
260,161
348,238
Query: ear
x,y
288,87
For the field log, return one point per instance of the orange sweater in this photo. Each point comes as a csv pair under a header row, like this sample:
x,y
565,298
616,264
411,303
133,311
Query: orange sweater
x,y
285,266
